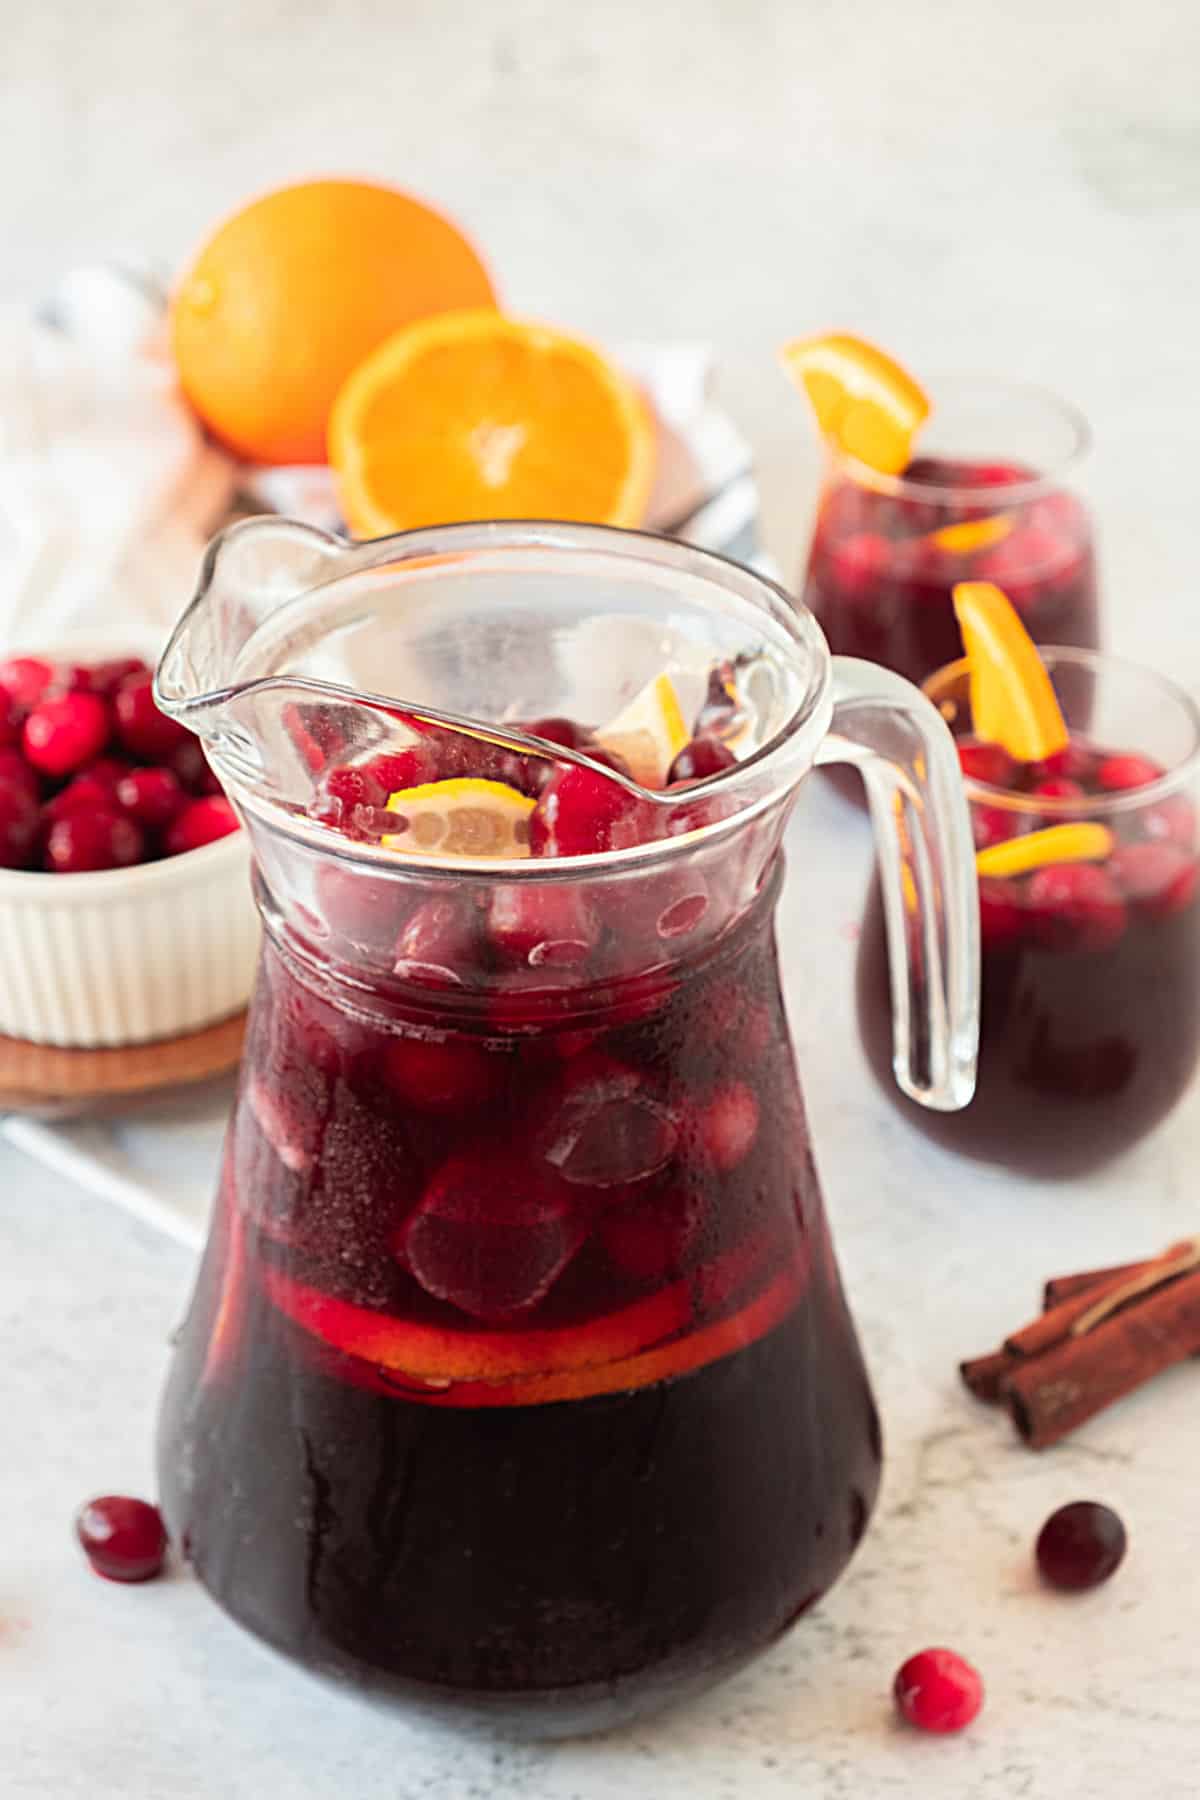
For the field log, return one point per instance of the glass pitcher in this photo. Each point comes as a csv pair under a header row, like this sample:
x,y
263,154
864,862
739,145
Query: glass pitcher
x,y
518,1381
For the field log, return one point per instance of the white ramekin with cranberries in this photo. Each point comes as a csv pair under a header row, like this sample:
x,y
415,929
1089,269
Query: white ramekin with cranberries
x,y
125,908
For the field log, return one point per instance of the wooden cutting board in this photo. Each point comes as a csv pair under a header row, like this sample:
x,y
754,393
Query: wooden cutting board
x,y
40,1078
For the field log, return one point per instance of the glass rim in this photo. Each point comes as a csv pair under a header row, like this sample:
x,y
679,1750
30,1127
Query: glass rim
x,y
1125,800
764,778
1017,493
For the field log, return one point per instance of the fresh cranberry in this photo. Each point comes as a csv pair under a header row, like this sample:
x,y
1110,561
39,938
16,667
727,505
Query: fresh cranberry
x,y
1058,787
547,925
15,772
581,811
700,759
143,729
989,763
1081,1545
562,731
491,1234
1074,760
18,826
936,1690
84,794
201,822
188,763
995,825
25,679
440,946
107,770
106,677
728,1125
1076,906
85,842
1118,774
152,797
439,1076
11,720
1159,878
122,1538
64,732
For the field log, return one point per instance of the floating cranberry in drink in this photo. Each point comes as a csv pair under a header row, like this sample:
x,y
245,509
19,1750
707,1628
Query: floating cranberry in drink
x,y
518,1381
1089,892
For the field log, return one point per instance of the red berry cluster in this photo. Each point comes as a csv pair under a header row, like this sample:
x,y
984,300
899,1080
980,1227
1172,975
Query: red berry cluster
x,y
92,774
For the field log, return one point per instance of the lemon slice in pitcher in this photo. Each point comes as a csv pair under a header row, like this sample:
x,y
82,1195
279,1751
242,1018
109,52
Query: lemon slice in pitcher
x,y
865,402
466,816
649,733
1013,702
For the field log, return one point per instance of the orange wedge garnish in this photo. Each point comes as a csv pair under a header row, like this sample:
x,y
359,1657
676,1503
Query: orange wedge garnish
x,y
865,403
972,534
471,415
1082,841
1012,700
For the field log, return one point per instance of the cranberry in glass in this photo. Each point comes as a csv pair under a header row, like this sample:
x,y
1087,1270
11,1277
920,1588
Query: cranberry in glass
x,y
1157,878
1076,906
562,731
18,826
1119,774
1058,787
123,1539
144,730
151,797
64,732
439,942
201,822
544,924
937,1690
702,757
728,1125
85,842
1081,1545
25,679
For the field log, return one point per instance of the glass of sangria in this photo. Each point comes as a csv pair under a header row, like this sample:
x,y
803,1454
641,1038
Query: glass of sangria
x,y
1090,1001
987,495
518,1382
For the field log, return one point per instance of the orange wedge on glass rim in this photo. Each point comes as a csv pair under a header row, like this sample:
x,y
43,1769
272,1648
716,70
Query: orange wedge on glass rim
x,y
865,403
472,415
1013,702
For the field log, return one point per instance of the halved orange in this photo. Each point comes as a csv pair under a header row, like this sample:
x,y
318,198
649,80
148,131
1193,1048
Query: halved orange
x,y
471,415
865,402
1013,702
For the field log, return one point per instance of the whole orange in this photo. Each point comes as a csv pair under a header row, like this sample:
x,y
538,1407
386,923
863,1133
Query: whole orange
x,y
291,293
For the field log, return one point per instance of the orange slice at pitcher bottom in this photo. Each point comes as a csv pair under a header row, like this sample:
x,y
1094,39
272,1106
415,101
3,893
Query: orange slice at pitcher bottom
x,y
1013,702
471,415
865,403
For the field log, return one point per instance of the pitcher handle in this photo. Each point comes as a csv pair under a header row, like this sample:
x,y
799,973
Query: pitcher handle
x,y
905,754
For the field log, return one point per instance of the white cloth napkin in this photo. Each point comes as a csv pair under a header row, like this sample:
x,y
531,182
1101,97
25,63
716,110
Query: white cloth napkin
x,y
108,488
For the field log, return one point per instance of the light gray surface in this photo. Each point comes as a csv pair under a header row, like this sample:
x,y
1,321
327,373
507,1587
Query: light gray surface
x,y
1011,191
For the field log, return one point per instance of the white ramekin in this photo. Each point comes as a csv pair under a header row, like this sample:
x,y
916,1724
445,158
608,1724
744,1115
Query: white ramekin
x,y
127,956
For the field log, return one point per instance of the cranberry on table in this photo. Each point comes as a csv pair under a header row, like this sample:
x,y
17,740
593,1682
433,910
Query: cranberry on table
x,y
699,759
124,1539
141,727
937,1690
1081,1545
64,732
83,843
201,822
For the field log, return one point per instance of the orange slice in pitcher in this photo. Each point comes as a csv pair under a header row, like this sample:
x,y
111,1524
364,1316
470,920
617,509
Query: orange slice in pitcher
x,y
471,415
1013,702
970,535
649,733
865,402
1080,841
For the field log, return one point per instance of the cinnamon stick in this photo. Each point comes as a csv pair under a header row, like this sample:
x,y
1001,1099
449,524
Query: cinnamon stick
x,y
1051,1394
1053,1326
1067,1287
984,1375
